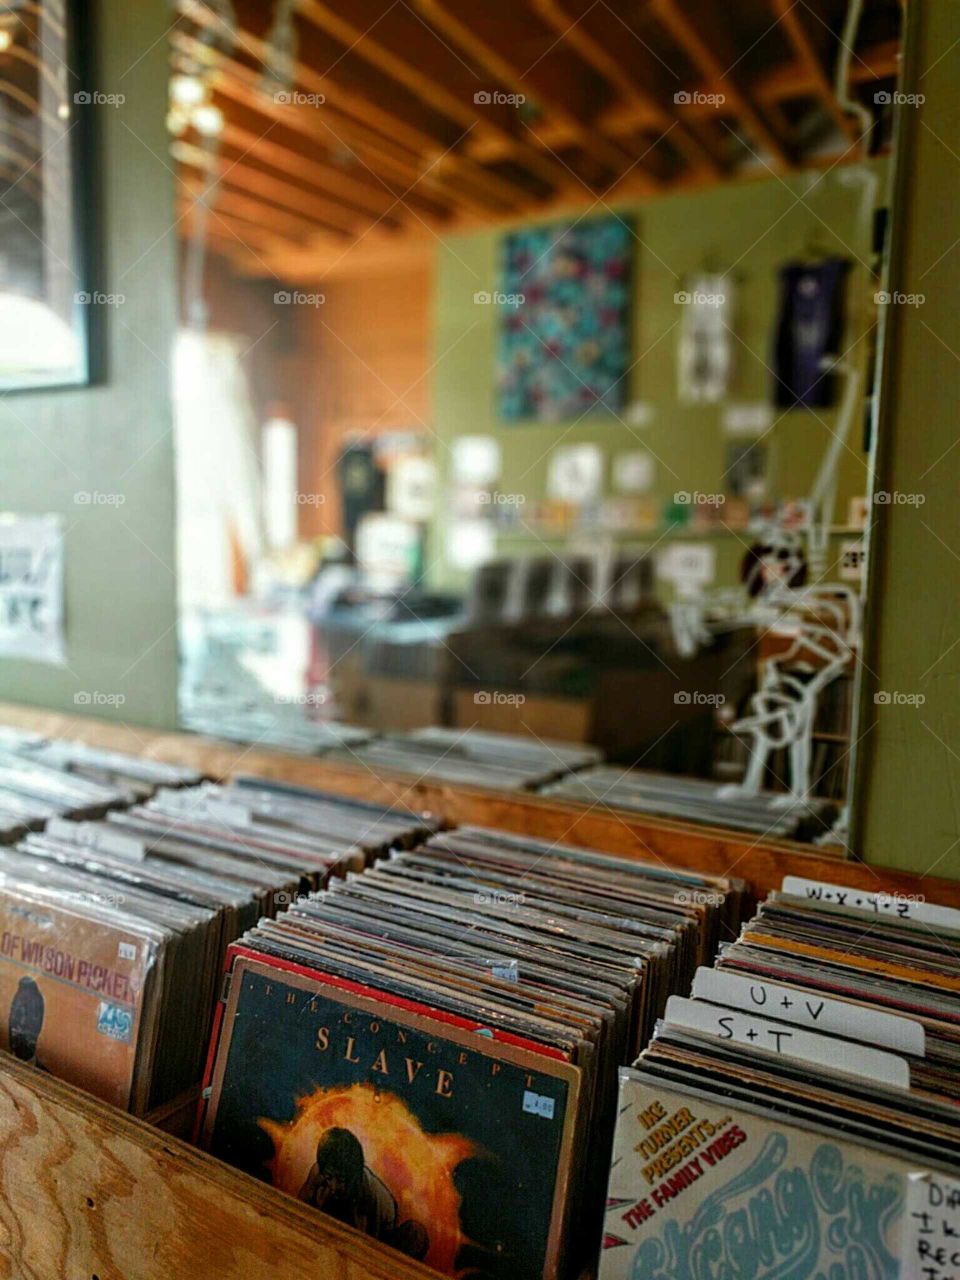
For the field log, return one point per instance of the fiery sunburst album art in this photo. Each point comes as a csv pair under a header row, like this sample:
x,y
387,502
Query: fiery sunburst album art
x,y
440,1142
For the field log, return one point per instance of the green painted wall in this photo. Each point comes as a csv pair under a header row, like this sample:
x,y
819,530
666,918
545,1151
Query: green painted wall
x,y
909,798
751,228
113,438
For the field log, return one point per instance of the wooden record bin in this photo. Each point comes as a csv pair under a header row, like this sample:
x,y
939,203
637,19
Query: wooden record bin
x,y
87,1192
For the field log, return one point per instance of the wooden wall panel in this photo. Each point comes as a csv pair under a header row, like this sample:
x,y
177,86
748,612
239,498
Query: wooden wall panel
x,y
366,354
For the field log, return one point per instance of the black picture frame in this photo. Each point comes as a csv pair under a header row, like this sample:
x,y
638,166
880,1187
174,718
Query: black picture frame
x,y
61,326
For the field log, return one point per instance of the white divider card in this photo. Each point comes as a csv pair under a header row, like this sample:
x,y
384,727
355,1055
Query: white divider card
x,y
900,905
931,1247
845,1056
808,1009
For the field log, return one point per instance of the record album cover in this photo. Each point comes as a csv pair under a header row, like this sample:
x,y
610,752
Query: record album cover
x,y
440,1142
701,1189
72,995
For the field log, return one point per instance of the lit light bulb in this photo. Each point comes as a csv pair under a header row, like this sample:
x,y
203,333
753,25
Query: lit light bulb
x,y
63,111
6,39
208,120
187,91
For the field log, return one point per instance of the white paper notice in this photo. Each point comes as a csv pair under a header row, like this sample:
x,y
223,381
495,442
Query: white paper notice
x,y
31,588
875,1065
811,1010
901,905
633,471
476,460
412,487
690,566
931,1247
575,473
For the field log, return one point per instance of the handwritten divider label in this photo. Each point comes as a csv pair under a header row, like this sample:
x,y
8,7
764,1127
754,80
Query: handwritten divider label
x,y
843,1056
896,905
931,1247
810,1009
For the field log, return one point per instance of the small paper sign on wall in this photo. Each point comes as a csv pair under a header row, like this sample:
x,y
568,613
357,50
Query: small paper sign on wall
x,y
31,588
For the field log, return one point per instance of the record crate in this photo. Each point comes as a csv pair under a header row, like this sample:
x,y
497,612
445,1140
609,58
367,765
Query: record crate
x,y
88,1192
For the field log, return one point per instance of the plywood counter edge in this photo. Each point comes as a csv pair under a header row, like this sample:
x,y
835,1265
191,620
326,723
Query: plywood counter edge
x,y
88,1192
761,862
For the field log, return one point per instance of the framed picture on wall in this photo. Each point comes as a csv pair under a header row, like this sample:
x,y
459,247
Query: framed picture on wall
x,y
45,113
563,312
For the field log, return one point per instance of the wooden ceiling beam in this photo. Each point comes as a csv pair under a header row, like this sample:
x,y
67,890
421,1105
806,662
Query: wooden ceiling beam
x,y
617,62
225,245
263,157
286,196
423,188
789,16
548,91
286,226
880,61
253,238
376,36
705,46
432,138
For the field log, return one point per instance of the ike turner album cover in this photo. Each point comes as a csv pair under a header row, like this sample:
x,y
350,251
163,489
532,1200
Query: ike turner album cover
x,y
437,1141
700,1189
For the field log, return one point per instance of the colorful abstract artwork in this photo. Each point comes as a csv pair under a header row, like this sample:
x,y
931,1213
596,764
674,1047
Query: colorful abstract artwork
x,y
564,320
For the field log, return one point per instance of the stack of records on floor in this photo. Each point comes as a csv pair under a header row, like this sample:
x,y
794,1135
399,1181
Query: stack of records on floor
x,y
428,1051
113,933
697,800
477,757
801,1110
41,779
